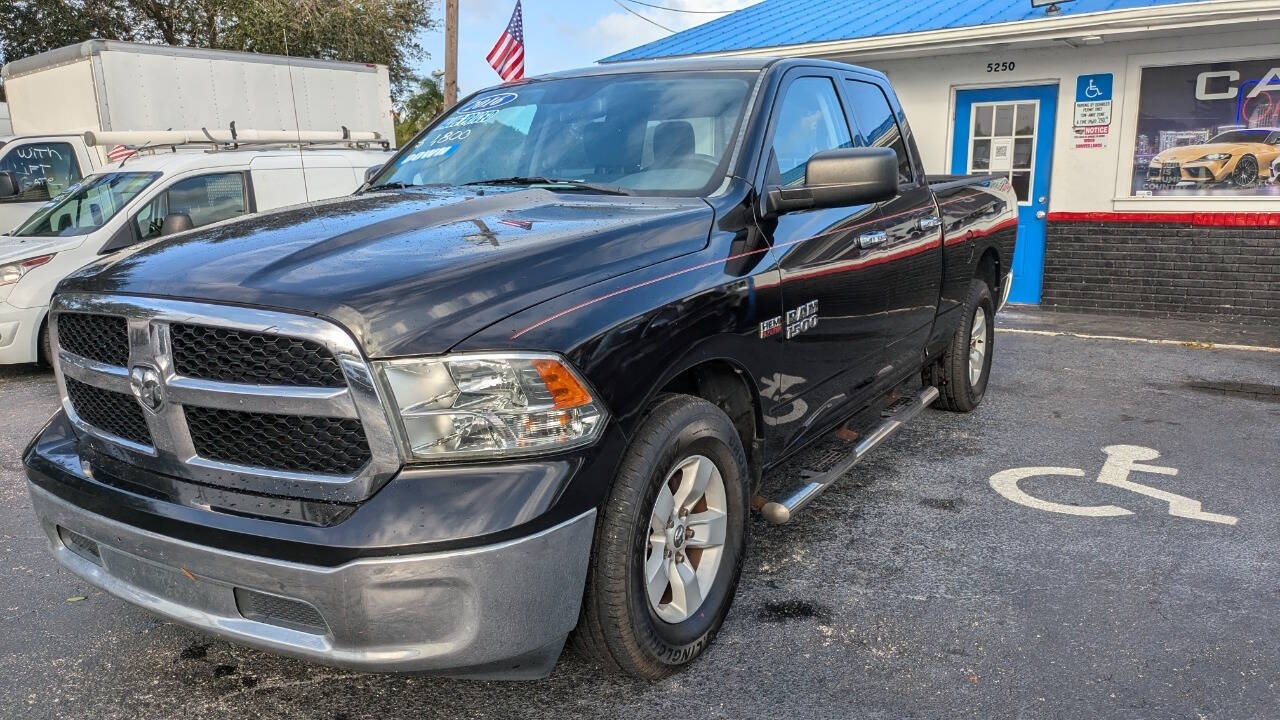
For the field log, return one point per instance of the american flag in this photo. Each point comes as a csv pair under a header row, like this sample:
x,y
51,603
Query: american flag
x,y
120,152
507,55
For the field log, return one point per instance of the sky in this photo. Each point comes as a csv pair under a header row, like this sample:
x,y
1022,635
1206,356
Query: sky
x,y
558,34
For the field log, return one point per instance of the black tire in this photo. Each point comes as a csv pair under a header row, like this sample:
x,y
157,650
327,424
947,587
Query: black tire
x,y
1246,173
619,626
950,374
44,348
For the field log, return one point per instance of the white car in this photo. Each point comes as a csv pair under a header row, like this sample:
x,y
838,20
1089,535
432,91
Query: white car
x,y
146,197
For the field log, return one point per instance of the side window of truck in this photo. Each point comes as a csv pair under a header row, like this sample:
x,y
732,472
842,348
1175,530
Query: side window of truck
x,y
810,120
877,124
204,198
41,170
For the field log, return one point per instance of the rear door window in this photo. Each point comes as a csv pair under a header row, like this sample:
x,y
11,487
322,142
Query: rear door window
x,y
205,199
877,124
41,170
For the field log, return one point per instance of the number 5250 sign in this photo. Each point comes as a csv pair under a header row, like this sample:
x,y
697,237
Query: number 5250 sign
x,y
995,67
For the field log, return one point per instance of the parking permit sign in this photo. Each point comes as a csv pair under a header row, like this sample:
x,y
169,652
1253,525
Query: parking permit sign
x,y
1093,100
1093,110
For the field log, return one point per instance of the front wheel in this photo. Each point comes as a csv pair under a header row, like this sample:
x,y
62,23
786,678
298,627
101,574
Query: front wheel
x,y
44,350
670,542
1246,172
961,374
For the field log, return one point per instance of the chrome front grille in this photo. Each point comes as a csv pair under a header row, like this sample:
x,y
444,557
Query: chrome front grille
x,y
257,400
286,442
214,353
116,413
102,338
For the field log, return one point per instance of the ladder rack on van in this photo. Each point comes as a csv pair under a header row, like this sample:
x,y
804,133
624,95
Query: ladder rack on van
x,y
233,138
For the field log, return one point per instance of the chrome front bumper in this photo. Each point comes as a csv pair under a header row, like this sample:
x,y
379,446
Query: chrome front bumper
x,y
500,610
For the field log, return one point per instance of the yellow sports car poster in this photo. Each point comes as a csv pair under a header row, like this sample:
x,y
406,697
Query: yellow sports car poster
x,y
1209,129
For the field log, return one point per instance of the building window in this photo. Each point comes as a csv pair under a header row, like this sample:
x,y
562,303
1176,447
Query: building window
x,y
1003,142
1210,129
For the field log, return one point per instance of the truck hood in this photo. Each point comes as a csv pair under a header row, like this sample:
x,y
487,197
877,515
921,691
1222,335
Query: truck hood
x,y
410,272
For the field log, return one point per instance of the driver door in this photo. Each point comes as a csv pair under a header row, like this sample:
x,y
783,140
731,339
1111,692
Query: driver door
x,y
832,340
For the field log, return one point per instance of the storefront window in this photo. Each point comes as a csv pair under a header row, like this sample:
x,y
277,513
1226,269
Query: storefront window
x,y
1211,129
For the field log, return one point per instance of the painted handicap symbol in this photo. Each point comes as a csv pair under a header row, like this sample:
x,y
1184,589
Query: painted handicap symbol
x,y
1092,91
1121,461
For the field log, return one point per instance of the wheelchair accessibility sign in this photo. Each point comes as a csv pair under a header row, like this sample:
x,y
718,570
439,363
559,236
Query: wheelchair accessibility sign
x,y
1122,461
1093,100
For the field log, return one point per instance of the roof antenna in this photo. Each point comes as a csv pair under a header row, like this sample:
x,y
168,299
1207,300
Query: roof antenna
x,y
297,125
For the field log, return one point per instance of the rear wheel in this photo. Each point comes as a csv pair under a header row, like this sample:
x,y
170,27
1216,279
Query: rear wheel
x,y
962,373
670,542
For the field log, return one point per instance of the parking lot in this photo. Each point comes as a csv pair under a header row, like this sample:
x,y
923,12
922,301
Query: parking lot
x,y
913,589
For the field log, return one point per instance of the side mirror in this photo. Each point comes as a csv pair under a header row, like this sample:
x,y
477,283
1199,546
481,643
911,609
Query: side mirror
x,y
176,223
371,173
120,239
841,177
8,186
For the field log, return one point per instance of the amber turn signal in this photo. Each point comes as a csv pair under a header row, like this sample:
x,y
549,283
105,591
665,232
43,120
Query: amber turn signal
x,y
565,389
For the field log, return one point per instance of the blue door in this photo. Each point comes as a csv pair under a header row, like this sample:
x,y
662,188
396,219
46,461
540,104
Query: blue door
x,y
1009,131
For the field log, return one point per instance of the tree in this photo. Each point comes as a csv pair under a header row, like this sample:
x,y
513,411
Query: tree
x,y
371,31
420,108
33,26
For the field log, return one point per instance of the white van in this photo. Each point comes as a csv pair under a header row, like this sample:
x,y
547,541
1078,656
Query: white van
x,y
146,197
110,86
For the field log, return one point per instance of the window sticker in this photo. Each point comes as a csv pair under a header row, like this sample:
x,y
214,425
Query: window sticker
x,y
436,152
453,136
479,118
488,102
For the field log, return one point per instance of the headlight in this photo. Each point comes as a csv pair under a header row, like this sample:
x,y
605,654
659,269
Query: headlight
x,y
490,406
1215,157
14,271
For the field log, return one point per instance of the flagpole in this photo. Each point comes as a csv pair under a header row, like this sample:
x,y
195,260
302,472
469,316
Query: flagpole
x,y
450,53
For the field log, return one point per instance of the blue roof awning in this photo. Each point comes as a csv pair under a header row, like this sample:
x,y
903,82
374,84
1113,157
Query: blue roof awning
x,y
777,23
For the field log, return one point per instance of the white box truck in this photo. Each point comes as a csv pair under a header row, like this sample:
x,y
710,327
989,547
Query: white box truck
x,y
109,86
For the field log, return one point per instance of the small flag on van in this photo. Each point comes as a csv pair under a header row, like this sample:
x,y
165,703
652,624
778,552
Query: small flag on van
x,y
120,152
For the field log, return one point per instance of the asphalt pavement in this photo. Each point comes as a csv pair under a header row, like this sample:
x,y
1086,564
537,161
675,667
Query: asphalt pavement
x,y
913,589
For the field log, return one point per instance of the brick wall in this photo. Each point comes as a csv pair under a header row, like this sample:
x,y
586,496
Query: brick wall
x,y
1187,266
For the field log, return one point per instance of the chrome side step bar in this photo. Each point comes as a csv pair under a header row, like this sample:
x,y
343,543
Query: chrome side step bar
x,y
780,513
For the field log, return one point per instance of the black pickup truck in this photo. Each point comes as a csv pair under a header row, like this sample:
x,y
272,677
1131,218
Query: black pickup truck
x,y
530,380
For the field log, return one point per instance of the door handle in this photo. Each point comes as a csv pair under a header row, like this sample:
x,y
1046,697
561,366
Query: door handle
x,y
872,239
930,222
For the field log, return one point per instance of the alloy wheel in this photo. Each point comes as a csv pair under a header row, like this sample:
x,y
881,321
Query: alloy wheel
x,y
977,346
687,528
1246,172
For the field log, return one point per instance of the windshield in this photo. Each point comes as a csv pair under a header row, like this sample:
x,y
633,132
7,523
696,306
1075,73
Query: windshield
x,y
87,205
648,134
1242,136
